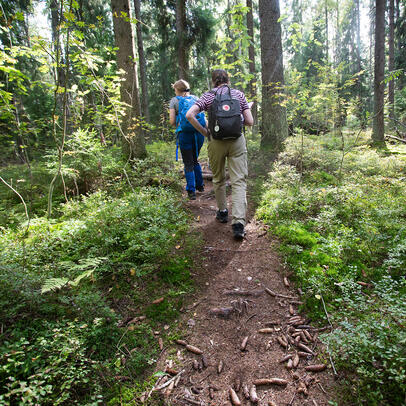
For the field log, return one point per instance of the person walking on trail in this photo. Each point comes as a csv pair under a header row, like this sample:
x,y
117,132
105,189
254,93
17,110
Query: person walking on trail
x,y
228,111
188,139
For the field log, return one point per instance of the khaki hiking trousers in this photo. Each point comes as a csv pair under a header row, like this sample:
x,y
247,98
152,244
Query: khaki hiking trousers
x,y
236,153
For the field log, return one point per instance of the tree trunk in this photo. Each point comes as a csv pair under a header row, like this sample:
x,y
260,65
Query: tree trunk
x,y
56,11
378,133
274,127
391,94
358,51
252,87
326,23
143,63
133,139
400,41
183,60
371,47
163,29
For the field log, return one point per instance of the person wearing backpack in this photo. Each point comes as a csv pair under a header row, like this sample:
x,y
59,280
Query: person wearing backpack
x,y
188,139
228,112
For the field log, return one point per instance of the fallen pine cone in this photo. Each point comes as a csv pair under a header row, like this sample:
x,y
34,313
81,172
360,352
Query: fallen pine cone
x,y
286,358
245,391
316,368
220,367
244,344
181,342
270,381
296,361
234,398
253,394
304,338
272,323
305,348
282,342
304,354
266,330
194,349
204,361
291,310
294,319
308,335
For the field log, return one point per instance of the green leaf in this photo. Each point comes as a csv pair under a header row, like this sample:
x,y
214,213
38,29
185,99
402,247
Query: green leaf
x,y
53,284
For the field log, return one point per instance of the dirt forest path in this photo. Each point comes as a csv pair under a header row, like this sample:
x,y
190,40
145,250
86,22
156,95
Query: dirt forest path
x,y
240,325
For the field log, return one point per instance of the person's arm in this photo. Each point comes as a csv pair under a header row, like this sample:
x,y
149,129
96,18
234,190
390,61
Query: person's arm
x,y
191,117
172,117
248,119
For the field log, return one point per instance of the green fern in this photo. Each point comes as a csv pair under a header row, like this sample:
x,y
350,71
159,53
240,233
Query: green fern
x,y
54,284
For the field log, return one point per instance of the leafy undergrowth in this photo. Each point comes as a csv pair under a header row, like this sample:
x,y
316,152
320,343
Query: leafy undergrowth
x,y
343,233
72,287
87,167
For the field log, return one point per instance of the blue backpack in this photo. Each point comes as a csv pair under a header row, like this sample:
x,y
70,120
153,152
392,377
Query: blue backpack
x,y
182,124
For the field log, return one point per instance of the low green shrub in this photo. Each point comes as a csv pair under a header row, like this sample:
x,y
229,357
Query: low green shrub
x,y
49,368
68,284
371,340
338,228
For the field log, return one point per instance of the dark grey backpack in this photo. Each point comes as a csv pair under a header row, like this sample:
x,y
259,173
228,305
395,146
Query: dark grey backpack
x,y
224,116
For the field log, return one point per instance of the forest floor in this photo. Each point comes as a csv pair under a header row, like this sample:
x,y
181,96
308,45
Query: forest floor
x,y
232,305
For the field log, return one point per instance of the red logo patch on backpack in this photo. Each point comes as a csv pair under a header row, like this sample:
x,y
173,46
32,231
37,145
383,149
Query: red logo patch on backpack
x,y
226,107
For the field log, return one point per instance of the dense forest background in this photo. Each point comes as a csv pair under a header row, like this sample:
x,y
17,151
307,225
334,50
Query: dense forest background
x,y
86,148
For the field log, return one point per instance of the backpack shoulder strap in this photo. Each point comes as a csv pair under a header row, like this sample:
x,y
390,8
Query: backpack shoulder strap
x,y
221,94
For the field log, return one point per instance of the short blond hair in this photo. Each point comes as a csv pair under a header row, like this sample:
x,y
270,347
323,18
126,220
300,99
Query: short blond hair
x,y
181,85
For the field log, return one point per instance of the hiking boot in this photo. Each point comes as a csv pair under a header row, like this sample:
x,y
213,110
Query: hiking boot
x,y
238,231
200,188
222,216
191,195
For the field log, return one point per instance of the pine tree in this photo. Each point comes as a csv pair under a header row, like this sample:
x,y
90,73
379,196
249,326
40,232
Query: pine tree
x,y
378,133
251,56
274,127
391,40
143,63
133,139
182,46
